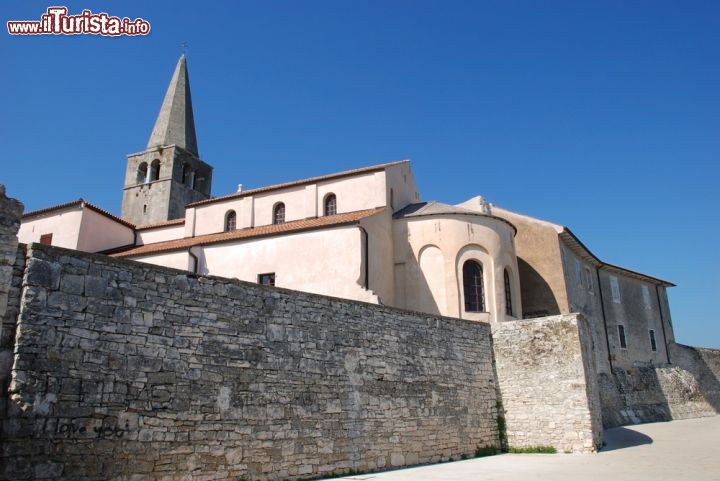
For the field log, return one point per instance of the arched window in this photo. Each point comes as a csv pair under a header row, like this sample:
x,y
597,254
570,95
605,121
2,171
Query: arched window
x,y
187,175
473,287
508,294
142,173
154,170
330,207
279,213
230,221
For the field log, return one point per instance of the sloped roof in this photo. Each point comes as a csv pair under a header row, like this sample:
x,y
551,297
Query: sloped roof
x,y
349,218
76,203
311,180
579,248
175,124
438,208
157,225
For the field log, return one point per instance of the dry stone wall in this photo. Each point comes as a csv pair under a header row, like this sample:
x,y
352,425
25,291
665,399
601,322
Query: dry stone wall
x,y
129,371
547,383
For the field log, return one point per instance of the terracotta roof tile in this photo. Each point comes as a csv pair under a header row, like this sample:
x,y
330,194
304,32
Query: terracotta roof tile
x,y
253,232
372,168
160,224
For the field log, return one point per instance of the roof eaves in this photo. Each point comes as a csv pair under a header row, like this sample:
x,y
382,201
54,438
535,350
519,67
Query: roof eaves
x,y
296,183
568,235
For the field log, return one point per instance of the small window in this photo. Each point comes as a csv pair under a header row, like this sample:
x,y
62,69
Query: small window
x,y
142,173
279,213
653,344
621,335
578,272
473,287
646,297
155,170
588,279
46,239
230,221
144,208
615,289
330,207
267,279
508,295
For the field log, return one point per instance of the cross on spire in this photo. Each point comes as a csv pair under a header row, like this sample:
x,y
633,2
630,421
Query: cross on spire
x,y
185,47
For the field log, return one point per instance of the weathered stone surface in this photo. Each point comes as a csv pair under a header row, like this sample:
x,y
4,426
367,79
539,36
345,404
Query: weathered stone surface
x,y
547,384
172,376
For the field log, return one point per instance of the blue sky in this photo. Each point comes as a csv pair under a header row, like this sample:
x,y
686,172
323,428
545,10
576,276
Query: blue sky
x,y
602,116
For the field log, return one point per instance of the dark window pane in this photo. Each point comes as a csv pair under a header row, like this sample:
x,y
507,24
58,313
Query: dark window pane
x,y
267,279
279,214
330,205
230,221
473,287
508,295
621,333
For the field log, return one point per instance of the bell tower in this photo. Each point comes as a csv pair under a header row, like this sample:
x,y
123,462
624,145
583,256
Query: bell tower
x,y
168,175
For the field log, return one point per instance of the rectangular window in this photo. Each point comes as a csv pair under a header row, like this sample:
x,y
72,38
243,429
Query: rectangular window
x,y
588,279
646,296
578,272
653,344
615,289
267,279
621,335
46,239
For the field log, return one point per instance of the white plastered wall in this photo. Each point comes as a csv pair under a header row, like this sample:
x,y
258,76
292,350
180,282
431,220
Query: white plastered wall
x,y
99,233
430,252
160,234
64,225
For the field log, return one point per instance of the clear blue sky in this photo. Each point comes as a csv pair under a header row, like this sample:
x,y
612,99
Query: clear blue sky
x,y
602,116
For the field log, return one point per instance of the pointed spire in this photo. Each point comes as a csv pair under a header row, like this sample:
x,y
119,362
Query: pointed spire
x,y
175,123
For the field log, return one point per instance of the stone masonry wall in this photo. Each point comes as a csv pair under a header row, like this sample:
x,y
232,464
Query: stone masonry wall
x,y
688,388
10,270
547,383
124,370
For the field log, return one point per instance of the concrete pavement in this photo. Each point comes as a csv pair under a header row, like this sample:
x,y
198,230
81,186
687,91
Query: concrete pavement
x,y
672,451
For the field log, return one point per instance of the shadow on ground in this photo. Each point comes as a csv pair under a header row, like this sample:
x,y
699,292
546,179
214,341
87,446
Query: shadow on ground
x,y
622,437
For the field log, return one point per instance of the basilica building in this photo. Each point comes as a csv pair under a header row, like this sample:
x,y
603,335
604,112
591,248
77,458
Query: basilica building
x,y
365,235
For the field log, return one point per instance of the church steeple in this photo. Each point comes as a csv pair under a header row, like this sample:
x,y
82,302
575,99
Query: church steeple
x,y
169,174
175,123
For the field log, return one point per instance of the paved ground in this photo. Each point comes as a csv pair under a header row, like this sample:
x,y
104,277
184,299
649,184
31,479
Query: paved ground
x,y
678,450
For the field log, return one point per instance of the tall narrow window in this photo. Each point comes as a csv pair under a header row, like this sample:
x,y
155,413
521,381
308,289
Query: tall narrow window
x,y
267,279
230,221
578,272
473,287
279,213
142,173
615,289
155,170
588,279
330,207
187,175
621,335
653,344
646,296
46,239
508,295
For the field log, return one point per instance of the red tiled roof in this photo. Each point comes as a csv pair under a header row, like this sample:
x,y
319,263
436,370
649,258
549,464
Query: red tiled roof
x,y
362,170
349,218
78,203
160,224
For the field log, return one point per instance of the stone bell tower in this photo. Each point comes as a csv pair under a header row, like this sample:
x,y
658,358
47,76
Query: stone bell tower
x,y
168,175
